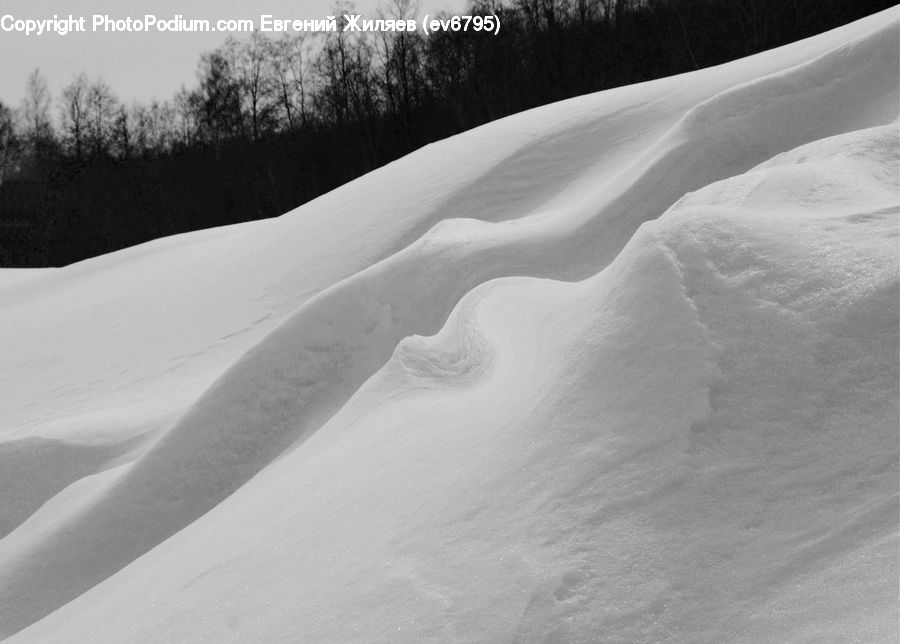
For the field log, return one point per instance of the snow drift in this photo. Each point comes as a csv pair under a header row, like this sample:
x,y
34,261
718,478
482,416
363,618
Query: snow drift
x,y
623,368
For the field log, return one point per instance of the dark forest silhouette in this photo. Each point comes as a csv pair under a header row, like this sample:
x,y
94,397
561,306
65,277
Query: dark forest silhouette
x,y
273,123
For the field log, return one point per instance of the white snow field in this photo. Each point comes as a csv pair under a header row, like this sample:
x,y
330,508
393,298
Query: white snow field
x,y
619,369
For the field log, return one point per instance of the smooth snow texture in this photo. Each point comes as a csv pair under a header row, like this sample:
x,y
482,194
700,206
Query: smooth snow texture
x,y
522,385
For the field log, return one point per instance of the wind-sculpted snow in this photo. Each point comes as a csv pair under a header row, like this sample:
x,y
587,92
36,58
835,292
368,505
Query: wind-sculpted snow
x,y
514,404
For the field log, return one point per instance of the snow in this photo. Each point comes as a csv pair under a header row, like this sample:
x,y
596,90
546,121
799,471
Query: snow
x,y
622,368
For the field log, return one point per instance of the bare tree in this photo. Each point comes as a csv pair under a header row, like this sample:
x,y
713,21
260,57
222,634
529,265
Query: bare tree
x,y
290,69
217,102
36,110
401,61
344,71
186,113
102,109
74,115
255,81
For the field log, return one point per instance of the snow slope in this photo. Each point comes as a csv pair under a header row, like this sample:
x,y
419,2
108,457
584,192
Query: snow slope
x,y
622,368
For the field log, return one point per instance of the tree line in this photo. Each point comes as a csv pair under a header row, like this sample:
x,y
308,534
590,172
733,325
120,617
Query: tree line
x,y
274,122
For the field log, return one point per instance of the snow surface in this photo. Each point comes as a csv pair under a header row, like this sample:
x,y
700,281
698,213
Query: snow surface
x,y
622,369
